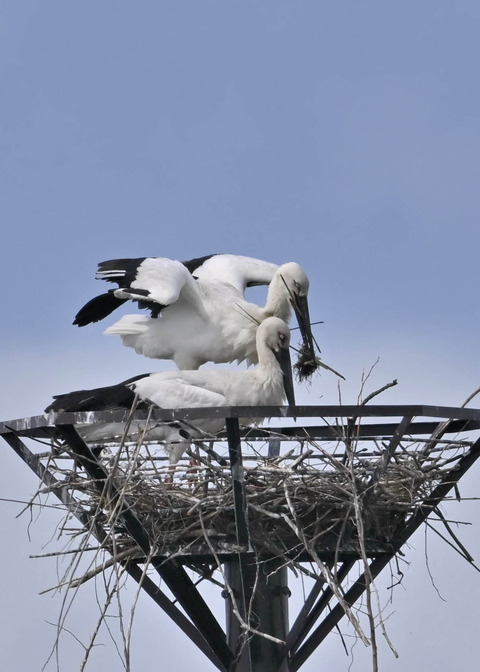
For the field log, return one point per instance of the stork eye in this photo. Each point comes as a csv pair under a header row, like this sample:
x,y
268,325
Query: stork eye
x,y
298,286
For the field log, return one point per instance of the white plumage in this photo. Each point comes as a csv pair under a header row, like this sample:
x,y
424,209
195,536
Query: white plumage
x,y
269,384
200,313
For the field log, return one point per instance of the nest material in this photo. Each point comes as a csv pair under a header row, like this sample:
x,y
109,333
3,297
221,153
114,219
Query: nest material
x,y
306,365
295,503
320,507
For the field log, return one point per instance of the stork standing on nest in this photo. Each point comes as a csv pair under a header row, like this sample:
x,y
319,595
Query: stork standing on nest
x,y
199,312
269,384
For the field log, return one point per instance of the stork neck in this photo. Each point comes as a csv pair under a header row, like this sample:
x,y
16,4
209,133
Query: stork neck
x,y
268,369
278,302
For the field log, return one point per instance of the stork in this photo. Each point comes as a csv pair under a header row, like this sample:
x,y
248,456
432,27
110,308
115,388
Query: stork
x,y
199,312
269,384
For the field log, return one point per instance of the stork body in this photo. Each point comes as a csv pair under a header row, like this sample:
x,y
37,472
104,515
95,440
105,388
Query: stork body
x,y
269,384
199,311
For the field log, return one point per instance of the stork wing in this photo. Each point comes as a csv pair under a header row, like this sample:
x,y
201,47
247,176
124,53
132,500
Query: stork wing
x,y
241,272
96,399
154,282
178,389
235,269
154,279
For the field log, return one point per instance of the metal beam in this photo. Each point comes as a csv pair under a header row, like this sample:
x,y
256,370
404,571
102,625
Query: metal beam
x,y
301,628
302,615
237,570
38,427
329,411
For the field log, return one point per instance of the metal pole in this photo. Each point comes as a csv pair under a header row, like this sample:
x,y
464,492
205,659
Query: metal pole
x,y
260,588
267,612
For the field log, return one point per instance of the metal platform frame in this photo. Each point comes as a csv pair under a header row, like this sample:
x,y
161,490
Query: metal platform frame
x,y
228,649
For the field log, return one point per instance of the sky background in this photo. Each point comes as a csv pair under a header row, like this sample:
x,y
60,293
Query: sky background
x,y
344,136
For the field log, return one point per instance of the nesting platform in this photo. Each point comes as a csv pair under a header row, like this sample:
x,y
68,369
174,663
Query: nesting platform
x,y
332,494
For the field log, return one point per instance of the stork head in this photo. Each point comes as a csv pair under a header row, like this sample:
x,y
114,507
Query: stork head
x,y
276,336
297,284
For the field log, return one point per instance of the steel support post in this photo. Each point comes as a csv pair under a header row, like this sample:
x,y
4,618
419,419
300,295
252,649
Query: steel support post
x,y
257,599
267,612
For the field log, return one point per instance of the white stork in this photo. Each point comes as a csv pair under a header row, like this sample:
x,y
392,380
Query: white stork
x,y
198,309
269,384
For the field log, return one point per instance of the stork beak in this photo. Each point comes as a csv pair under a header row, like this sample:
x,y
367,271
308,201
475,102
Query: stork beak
x,y
283,358
300,306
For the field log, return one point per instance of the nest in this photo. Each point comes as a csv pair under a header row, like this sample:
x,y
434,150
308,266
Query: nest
x,y
309,498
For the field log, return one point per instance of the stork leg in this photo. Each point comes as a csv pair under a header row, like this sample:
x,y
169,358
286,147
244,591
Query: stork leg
x,y
175,452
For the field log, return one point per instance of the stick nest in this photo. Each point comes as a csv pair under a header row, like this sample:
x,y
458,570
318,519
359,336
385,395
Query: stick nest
x,y
308,498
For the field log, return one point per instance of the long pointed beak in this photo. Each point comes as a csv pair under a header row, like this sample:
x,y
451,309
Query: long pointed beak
x,y
300,306
283,358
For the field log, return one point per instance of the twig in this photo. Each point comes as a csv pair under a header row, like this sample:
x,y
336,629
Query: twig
x,y
379,391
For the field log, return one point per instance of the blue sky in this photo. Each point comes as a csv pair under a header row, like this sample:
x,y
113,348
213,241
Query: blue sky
x,y
343,136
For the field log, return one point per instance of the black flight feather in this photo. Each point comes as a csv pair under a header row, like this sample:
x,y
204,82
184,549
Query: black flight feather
x,y
98,308
98,399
